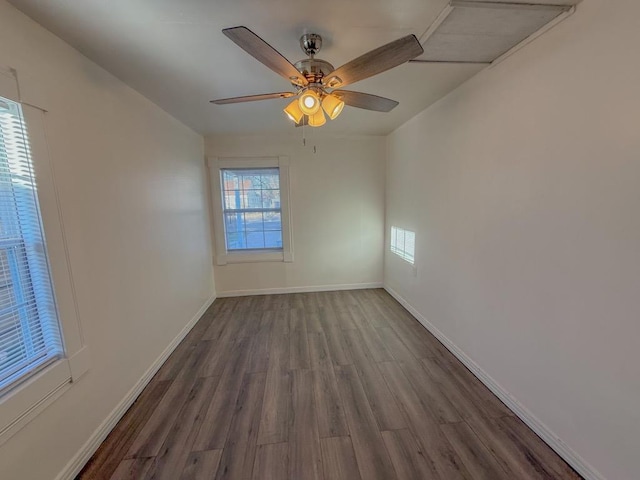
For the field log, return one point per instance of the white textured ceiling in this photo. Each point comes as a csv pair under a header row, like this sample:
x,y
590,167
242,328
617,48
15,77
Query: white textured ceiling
x,y
174,53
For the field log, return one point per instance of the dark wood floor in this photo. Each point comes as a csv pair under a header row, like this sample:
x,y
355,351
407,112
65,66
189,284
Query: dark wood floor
x,y
336,385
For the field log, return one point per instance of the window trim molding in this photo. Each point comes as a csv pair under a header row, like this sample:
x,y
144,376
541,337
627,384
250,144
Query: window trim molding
x,y
221,255
28,399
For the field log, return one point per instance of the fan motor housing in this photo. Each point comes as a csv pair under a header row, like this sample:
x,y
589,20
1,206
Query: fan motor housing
x,y
314,69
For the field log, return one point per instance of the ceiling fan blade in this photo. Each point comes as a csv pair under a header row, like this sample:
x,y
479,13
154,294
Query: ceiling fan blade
x,y
366,101
265,53
253,98
376,61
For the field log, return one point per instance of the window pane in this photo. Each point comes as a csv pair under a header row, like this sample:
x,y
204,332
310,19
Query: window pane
x,y
235,241
272,221
270,198
273,239
255,240
233,222
253,222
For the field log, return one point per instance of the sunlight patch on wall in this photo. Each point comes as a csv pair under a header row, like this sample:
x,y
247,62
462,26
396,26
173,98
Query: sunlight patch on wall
x,y
403,243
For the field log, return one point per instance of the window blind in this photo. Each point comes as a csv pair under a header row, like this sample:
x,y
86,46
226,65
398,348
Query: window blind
x,y
29,329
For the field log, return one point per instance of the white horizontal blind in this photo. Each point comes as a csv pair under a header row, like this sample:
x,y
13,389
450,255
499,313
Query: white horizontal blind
x,y
29,329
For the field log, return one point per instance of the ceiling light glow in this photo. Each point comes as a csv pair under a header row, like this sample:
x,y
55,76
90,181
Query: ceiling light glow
x,y
309,102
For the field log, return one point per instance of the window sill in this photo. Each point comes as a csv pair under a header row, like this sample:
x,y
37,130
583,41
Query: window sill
x,y
254,257
23,404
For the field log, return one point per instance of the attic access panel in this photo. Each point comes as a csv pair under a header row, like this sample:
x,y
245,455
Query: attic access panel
x,y
480,32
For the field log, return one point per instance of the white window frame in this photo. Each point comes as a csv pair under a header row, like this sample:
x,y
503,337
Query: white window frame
x,y
221,255
24,402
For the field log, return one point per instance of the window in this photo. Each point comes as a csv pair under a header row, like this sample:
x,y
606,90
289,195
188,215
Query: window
x,y
403,243
251,209
29,330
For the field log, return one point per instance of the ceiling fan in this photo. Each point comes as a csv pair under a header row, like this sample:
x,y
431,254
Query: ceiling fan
x,y
316,83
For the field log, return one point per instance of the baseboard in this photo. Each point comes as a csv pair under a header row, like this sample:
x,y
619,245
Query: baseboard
x,y
562,449
314,288
76,464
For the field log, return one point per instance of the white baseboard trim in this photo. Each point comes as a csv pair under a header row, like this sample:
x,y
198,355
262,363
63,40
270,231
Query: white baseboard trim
x,y
314,288
562,449
79,460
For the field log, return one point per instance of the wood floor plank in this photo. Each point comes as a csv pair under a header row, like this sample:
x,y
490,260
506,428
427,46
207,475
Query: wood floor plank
x,y
415,341
172,367
384,407
221,319
272,462
259,358
274,421
251,323
239,452
311,301
305,459
113,450
131,469
511,453
373,460
338,459
216,421
192,363
281,322
346,321
201,465
468,382
215,360
328,318
329,409
517,430
374,344
395,346
478,460
408,459
171,460
298,343
150,439
319,355
430,392
337,346
312,317
423,424
466,404
372,309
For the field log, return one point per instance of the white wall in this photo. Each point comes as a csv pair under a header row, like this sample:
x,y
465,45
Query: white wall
x,y
337,209
523,187
131,181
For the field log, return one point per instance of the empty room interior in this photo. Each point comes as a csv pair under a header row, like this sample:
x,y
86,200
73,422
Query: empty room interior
x,y
287,240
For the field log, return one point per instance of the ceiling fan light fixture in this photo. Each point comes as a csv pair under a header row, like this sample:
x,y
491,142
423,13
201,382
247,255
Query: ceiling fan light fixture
x,y
317,119
309,102
332,105
293,111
